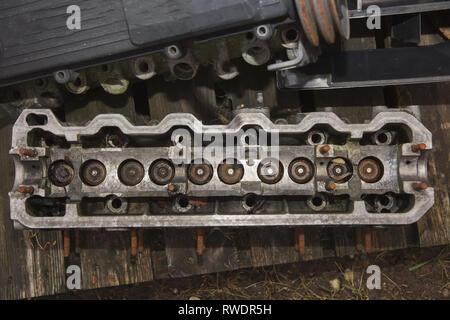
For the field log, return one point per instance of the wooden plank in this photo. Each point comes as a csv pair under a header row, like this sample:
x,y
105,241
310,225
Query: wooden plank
x,y
181,253
31,262
313,246
154,241
394,237
261,246
434,227
282,243
345,241
220,252
106,260
241,240
14,279
434,99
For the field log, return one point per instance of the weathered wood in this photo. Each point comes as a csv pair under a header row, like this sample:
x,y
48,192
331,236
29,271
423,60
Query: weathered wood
x,y
434,99
434,228
31,262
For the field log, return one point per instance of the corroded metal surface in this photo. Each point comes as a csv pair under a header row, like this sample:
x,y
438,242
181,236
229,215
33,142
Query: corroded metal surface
x,y
337,193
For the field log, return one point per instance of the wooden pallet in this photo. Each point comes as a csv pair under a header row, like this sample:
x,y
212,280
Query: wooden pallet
x,y
32,263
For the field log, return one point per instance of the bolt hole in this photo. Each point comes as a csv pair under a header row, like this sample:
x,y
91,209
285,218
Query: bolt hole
x,y
384,201
173,50
317,201
116,203
183,202
251,200
227,67
262,30
249,36
144,67
382,138
77,82
291,35
183,71
316,138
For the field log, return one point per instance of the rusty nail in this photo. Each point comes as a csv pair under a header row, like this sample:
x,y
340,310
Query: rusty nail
x,y
133,243
420,186
27,152
200,241
324,149
141,241
66,244
368,240
419,147
25,189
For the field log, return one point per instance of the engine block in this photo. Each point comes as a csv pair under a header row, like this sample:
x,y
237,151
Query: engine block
x,y
320,170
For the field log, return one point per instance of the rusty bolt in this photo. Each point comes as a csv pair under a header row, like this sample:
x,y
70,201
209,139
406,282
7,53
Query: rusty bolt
x,y
25,189
66,243
173,188
134,243
419,147
27,152
324,149
61,173
331,186
420,186
299,241
200,241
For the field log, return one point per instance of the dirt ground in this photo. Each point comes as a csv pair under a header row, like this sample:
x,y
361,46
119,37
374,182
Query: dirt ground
x,y
406,274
